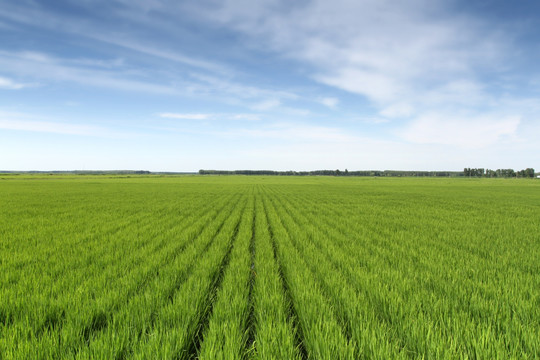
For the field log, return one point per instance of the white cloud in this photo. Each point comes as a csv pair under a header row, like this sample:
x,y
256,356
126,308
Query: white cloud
x,y
466,132
42,66
377,87
196,75
248,117
331,102
21,121
6,83
185,116
266,105
374,120
113,75
213,84
398,110
138,46
294,112
132,11
216,116
295,133
51,127
458,92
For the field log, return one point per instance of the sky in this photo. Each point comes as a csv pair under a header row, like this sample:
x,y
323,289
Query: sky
x,y
165,85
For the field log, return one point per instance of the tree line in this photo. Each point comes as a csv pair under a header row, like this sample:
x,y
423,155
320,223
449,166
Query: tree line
x,y
504,173
468,172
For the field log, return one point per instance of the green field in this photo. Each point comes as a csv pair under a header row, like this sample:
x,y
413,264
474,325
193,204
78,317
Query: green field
x,y
231,267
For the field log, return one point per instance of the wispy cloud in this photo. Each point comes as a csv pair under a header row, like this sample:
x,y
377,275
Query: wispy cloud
x,y
21,121
174,56
186,116
53,69
248,117
131,11
330,102
163,68
374,120
296,132
466,132
398,110
115,74
51,127
6,83
266,105
213,84
213,116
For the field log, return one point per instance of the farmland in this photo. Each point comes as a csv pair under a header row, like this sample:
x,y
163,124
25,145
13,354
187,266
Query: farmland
x,y
232,267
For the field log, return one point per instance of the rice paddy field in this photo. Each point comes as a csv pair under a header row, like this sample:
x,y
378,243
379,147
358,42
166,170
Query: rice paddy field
x,y
232,267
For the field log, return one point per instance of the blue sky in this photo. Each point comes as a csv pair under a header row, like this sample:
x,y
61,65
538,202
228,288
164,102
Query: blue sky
x,y
185,85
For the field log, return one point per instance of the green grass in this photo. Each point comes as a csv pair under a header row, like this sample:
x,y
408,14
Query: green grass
x,y
238,267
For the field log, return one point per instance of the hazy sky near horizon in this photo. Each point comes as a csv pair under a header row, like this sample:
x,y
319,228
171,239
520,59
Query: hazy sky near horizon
x,y
273,84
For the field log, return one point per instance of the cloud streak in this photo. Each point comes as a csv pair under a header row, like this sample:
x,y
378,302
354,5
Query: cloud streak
x,y
52,69
50,127
25,122
330,102
466,132
9,84
185,116
295,133
214,116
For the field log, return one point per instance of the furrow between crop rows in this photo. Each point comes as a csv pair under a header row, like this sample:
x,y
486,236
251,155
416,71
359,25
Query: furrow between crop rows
x,y
175,330
322,334
226,334
136,321
355,318
182,238
276,334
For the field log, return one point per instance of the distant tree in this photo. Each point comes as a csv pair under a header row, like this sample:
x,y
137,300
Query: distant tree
x,y
490,173
476,172
506,173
